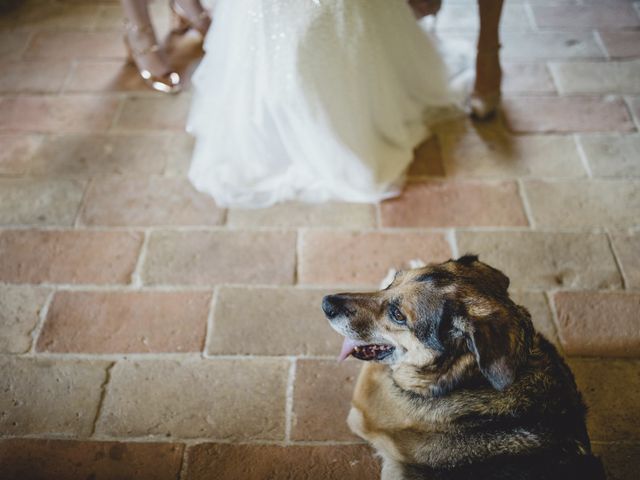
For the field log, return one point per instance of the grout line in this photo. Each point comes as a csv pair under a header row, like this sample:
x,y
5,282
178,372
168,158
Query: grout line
x,y
453,243
528,9
296,259
103,394
73,64
289,400
81,205
601,45
378,210
210,325
42,318
582,154
616,259
27,44
207,288
187,442
364,230
554,318
184,464
525,203
117,114
173,356
554,77
634,118
136,276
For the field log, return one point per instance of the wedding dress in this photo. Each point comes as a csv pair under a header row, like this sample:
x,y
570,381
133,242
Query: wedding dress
x,y
312,100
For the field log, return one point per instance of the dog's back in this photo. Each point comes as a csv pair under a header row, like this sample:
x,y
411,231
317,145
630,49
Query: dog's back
x,y
544,466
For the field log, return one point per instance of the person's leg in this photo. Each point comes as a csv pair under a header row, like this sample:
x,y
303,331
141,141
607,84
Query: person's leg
x,y
486,91
190,14
144,49
422,8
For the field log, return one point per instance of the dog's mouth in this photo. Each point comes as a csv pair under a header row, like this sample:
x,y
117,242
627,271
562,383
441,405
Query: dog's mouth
x,y
365,351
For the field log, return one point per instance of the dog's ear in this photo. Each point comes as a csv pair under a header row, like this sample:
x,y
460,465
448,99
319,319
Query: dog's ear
x,y
492,277
500,342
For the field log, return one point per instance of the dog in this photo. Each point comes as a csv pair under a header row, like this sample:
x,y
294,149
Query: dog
x,y
458,384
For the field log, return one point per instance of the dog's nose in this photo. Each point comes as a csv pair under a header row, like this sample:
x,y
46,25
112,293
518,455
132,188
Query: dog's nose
x,y
333,305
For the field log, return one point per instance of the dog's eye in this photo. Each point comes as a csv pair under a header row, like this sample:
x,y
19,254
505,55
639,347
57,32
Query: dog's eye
x,y
397,316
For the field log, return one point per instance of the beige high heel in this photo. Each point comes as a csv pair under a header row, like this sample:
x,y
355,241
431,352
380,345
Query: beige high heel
x,y
182,21
168,82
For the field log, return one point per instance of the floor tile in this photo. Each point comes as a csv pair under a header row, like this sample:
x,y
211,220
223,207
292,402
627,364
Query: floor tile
x,y
257,462
612,16
123,200
81,460
596,203
36,256
627,246
98,154
527,78
209,258
47,76
599,324
351,215
495,153
16,152
196,398
154,113
57,114
597,77
551,259
621,44
125,322
455,204
620,459
363,258
611,390
290,322
612,155
40,202
30,384
76,44
322,400
525,46
20,308
566,114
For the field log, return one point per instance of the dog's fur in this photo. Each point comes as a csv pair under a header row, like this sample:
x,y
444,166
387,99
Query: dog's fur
x,y
471,391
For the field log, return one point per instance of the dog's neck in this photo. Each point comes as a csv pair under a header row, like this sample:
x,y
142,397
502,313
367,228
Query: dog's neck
x,y
435,380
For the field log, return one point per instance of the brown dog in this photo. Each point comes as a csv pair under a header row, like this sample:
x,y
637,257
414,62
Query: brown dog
x,y
460,386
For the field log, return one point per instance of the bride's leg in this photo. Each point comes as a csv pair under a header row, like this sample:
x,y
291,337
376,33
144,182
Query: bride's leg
x,y
422,8
144,49
190,14
486,91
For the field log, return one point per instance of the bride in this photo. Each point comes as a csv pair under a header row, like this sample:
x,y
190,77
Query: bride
x,y
312,100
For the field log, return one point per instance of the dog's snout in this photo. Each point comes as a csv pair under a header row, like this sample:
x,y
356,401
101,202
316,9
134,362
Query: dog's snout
x,y
333,305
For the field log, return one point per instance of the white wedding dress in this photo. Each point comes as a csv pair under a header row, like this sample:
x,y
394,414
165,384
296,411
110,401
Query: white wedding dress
x,y
312,100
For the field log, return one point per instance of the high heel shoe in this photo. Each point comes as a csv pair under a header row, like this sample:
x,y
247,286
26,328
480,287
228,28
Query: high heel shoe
x,y
183,21
167,82
483,104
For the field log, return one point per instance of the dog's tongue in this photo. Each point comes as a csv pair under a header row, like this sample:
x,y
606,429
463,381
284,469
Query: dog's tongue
x,y
347,347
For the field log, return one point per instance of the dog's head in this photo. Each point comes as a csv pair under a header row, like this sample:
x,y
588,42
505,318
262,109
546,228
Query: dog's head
x,y
429,317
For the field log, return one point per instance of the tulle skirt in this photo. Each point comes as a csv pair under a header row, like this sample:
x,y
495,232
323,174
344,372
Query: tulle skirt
x,y
312,100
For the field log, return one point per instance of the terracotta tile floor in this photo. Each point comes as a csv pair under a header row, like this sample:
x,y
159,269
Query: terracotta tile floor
x,y
147,334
